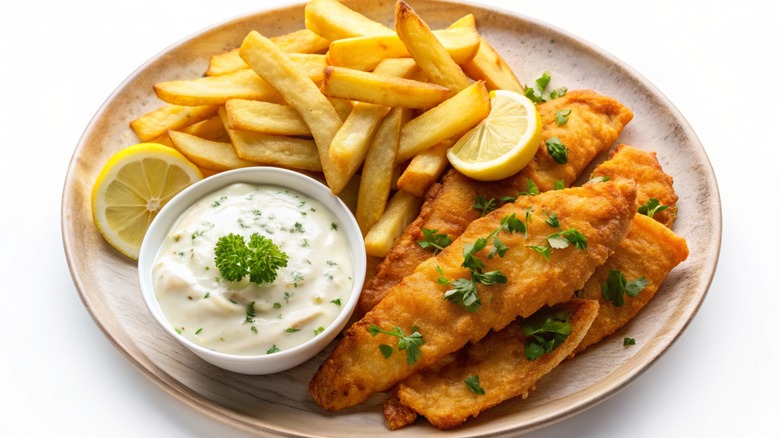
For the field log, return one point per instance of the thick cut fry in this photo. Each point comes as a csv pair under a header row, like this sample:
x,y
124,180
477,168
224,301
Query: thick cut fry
x,y
400,211
301,41
427,50
378,170
265,117
357,368
365,53
424,169
207,154
334,21
210,129
216,90
499,360
240,84
649,251
167,117
448,206
350,145
274,150
347,83
265,57
455,115
652,182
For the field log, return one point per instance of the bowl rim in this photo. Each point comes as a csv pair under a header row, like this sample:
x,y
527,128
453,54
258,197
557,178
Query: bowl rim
x,y
256,175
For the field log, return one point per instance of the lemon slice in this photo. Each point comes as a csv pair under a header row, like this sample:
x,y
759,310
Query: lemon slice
x,y
503,143
133,186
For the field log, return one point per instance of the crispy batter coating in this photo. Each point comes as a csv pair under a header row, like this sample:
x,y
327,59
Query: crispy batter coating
x,y
356,368
650,250
440,394
628,162
593,126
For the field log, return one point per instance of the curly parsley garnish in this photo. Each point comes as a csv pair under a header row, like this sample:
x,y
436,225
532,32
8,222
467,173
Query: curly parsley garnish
x,y
651,207
260,258
409,343
546,330
616,285
433,240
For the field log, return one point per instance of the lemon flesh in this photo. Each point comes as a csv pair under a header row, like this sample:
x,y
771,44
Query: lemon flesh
x,y
503,143
132,187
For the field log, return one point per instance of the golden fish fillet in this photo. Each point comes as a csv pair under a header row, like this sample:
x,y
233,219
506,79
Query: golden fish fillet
x,y
357,368
649,251
593,126
439,393
628,162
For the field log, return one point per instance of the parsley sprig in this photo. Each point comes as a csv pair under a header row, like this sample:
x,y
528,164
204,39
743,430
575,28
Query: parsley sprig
x,y
557,150
541,88
409,343
464,290
260,258
651,207
546,330
437,241
616,285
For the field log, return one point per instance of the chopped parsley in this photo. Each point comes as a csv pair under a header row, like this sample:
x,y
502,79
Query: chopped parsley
x,y
545,331
557,150
433,240
628,342
260,258
559,184
484,205
651,207
562,116
273,349
409,343
472,383
541,89
337,301
250,313
616,285
334,226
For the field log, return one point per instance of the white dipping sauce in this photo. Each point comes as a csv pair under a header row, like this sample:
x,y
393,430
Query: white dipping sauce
x,y
306,296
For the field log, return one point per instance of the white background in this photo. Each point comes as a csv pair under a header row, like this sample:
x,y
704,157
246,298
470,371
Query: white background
x,y
715,60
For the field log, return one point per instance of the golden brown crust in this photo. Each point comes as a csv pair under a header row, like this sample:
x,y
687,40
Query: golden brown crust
x,y
593,126
499,361
628,162
356,368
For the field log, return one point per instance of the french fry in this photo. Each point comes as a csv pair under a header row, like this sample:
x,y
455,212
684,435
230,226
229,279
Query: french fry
x,y
453,116
347,83
378,170
365,53
424,169
427,50
400,212
274,150
301,41
240,84
265,57
349,146
207,154
210,129
265,117
157,122
334,21
342,106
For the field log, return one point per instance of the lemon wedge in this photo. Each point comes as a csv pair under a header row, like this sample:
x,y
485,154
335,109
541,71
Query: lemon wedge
x,y
503,143
133,186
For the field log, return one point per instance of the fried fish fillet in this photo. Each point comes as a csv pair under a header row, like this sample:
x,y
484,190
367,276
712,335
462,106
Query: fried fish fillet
x,y
651,180
649,251
593,126
440,395
357,368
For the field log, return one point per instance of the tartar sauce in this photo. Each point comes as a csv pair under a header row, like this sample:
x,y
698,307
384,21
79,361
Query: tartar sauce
x,y
242,317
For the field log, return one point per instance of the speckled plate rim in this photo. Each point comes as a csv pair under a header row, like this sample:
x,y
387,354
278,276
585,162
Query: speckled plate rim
x,y
74,191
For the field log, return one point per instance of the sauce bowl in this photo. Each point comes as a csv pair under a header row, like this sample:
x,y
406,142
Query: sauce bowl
x,y
168,216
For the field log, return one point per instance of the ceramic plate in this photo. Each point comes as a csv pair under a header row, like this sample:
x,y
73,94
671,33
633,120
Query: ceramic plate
x,y
280,404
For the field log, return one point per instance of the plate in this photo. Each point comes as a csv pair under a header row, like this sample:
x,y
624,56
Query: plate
x,y
280,404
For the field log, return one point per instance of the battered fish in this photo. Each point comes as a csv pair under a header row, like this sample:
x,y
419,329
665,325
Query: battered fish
x,y
440,395
357,368
593,126
628,162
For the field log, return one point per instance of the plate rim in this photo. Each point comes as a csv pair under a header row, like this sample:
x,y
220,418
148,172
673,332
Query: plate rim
x,y
222,414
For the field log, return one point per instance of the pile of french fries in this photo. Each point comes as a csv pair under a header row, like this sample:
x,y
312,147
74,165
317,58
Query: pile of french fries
x,y
367,109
